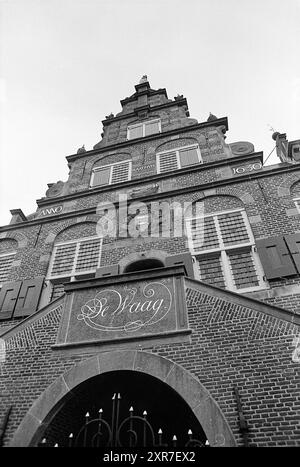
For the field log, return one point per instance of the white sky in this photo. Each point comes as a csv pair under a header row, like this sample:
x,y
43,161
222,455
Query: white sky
x,y
65,64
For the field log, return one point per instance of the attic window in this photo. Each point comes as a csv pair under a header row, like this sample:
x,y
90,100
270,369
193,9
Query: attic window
x,y
178,158
140,130
110,174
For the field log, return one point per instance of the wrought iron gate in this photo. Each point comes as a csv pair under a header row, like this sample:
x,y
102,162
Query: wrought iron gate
x,y
131,431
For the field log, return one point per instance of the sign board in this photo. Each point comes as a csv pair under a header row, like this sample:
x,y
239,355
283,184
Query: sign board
x,y
125,310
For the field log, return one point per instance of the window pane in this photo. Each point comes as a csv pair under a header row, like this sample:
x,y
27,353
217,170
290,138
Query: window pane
x,y
101,176
135,132
5,265
188,157
211,272
151,127
88,255
204,234
120,173
168,162
63,260
243,269
233,229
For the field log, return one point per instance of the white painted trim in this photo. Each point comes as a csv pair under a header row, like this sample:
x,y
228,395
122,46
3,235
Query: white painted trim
x,y
73,274
99,168
143,125
223,249
177,151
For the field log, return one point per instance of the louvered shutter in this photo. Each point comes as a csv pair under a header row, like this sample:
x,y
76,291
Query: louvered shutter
x,y
233,228
293,243
29,296
8,296
275,257
63,262
188,156
120,172
203,234
101,176
88,255
167,162
184,259
5,265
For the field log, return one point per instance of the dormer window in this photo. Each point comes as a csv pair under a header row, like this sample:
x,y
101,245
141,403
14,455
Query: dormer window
x,y
139,130
110,174
178,158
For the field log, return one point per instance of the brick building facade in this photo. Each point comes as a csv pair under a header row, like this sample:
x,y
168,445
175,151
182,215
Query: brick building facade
x,y
188,310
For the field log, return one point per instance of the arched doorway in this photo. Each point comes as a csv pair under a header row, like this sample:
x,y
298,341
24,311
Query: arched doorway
x,y
53,398
124,408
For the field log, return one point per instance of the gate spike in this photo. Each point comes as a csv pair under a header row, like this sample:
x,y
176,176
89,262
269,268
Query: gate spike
x,y
145,413
207,443
44,441
114,396
71,435
87,415
119,395
174,438
190,432
131,409
56,445
160,431
100,410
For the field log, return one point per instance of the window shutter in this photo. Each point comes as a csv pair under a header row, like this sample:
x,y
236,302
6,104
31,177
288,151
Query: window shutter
x,y
120,172
29,296
8,296
135,132
101,177
151,128
275,258
233,228
188,157
167,162
184,259
293,243
63,260
5,265
88,255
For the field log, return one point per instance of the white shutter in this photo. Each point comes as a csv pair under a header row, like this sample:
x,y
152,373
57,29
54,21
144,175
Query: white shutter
x,y
63,262
120,172
5,265
88,255
233,228
167,161
101,176
188,157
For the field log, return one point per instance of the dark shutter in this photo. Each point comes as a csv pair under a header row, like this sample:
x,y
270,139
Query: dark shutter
x,y
29,296
293,243
184,259
105,271
275,257
8,296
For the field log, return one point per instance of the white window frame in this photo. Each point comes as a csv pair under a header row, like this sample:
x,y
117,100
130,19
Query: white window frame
x,y
2,255
73,275
143,125
95,169
222,249
297,204
177,151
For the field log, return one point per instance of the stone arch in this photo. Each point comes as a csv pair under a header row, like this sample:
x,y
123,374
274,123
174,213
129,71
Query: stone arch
x,y
204,407
79,229
20,238
8,245
176,143
295,188
116,157
133,257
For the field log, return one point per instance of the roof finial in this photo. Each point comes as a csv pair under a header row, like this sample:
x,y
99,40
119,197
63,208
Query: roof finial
x,y
143,79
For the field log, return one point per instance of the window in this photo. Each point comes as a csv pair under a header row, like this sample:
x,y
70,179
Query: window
x,y
225,251
297,203
139,130
110,174
6,261
178,158
75,259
